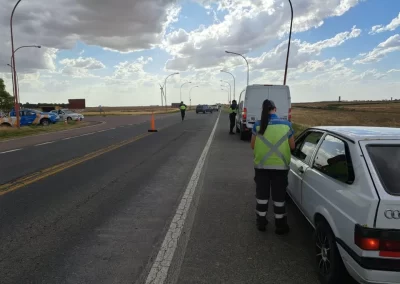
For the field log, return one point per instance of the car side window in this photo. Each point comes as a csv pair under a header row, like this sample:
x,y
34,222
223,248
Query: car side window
x,y
306,146
332,159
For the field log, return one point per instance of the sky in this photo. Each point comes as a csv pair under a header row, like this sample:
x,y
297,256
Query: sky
x,y
118,53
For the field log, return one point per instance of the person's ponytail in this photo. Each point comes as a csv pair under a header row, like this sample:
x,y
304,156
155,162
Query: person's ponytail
x,y
266,108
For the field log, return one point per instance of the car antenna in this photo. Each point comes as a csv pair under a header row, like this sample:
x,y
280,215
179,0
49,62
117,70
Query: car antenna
x,y
290,36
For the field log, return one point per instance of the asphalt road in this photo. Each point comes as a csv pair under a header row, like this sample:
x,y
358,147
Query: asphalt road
x,y
106,220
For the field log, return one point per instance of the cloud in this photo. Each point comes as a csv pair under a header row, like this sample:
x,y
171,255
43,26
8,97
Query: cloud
x,y
246,26
85,63
177,37
392,44
394,24
300,52
121,25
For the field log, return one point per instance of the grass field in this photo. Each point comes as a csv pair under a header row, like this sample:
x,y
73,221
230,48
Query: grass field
x,y
345,114
9,132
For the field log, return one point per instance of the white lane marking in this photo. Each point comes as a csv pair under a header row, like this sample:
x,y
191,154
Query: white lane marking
x,y
9,151
159,271
55,132
86,134
102,130
112,128
45,143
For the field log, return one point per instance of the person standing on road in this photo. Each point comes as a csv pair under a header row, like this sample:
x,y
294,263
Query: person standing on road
x,y
232,115
272,142
182,107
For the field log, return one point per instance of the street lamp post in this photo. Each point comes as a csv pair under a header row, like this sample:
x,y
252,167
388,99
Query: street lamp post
x,y
190,96
234,87
290,36
248,71
17,81
230,89
229,100
15,91
12,68
165,87
181,89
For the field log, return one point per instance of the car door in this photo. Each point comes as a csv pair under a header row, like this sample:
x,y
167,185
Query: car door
x,y
300,161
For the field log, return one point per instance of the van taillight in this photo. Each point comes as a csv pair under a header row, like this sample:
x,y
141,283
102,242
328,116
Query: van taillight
x,y
290,115
244,114
387,242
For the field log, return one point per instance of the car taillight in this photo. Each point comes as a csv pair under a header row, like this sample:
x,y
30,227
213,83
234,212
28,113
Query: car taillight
x,y
387,242
290,114
244,114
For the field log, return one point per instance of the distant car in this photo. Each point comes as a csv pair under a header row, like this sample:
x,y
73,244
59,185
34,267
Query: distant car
x,y
203,109
66,114
345,182
29,117
215,107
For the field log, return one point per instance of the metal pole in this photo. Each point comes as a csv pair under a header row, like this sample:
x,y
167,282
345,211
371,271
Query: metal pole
x,y
181,89
248,70
17,81
13,64
290,36
230,89
165,88
234,83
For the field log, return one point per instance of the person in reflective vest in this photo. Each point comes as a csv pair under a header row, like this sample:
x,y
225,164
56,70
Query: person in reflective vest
x,y
272,142
232,115
182,107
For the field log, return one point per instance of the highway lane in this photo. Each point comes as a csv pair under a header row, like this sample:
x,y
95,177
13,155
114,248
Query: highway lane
x,y
98,123
101,221
105,220
31,158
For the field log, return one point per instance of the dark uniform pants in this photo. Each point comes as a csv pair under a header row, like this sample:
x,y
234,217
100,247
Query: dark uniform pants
x,y
183,113
271,182
232,121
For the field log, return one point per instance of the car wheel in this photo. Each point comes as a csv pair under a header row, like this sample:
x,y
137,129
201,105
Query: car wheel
x,y
243,135
204,112
69,119
45,122
4,124
329,264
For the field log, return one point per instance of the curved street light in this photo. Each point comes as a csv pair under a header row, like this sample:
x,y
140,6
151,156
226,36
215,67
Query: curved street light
x,y
15,91
230,89
234,87
12,68
13,77
290,36
229,99
181,89
190,96
245,60
165,87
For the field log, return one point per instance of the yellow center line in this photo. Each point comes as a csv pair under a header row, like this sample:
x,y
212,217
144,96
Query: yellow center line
x,y
39,175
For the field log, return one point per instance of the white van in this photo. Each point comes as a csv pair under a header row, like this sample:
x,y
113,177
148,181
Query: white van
x,y
250,106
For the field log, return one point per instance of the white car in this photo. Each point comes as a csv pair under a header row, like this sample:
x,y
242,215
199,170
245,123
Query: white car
x,y
66,114
346,182
250,105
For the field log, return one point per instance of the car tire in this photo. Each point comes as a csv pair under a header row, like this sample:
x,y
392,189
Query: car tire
x,y
69,119
243,135
329,264
45,122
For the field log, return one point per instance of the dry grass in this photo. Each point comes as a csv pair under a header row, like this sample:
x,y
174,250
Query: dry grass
x,y
349,113
12,132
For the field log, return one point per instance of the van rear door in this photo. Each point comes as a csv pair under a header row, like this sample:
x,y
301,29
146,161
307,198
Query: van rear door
x,y
383,160
280,95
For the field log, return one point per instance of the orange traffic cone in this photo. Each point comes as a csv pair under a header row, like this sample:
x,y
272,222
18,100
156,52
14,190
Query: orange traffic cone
x,y
152,124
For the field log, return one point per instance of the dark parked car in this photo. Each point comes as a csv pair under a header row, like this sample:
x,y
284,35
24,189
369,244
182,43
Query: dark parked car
x,y
203,109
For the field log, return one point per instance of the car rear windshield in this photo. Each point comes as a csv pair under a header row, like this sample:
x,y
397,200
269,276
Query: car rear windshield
x,y
386,160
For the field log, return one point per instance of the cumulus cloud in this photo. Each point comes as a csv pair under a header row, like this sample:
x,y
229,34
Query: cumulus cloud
x,y
394,24
85,63
247,26
390,45
122,25
300,52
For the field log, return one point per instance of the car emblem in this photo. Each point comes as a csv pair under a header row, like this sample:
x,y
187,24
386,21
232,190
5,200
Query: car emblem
x,y
392,214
